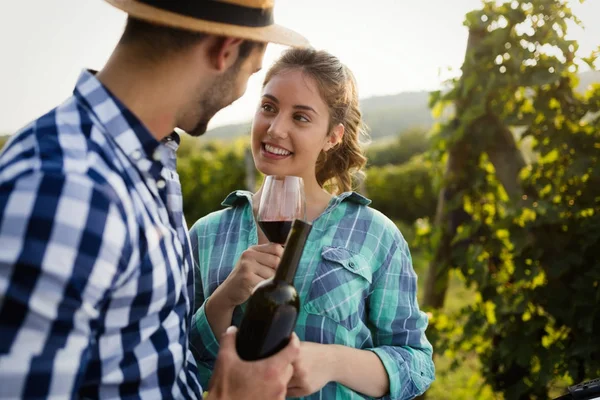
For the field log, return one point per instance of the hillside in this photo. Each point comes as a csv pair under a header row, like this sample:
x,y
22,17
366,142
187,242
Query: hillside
x,y
388,115
385,115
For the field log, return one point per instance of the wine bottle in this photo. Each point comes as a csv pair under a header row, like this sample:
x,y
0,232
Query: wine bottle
x,y
272,309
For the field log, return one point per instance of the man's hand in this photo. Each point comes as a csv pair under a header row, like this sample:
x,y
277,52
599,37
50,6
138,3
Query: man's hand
x,y
266,379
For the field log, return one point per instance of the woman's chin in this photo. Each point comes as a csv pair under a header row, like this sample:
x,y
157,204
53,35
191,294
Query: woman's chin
x,y
267,168
271,171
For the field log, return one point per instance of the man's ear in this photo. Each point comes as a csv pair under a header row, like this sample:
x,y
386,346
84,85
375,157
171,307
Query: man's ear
x,y
335,138
223,52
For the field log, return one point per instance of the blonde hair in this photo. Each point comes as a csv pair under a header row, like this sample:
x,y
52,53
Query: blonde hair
x,y
337,167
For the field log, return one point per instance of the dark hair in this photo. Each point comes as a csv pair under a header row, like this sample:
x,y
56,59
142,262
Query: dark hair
x,y
337,87
161,40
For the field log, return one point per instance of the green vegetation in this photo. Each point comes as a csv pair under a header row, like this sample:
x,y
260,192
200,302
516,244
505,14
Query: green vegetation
x,y
398,149
208,174
402,192
524,237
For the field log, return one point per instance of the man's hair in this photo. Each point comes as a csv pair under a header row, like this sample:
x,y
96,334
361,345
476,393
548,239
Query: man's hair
x,y
158,41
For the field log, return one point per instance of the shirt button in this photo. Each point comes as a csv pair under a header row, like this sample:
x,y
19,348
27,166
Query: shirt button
x,y
156,155
161,184
136,155
351,264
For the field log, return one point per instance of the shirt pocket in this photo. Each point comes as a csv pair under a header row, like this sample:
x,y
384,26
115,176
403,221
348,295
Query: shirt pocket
x,y
340,286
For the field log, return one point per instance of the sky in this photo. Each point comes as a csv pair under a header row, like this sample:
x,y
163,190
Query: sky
x,y
391,46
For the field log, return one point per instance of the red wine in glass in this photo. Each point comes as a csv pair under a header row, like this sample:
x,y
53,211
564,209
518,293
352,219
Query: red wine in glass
x,y
281,202
276,231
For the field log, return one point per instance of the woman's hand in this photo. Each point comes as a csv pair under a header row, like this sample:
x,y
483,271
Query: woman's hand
x,y
265,379
313,369
255,265
319,364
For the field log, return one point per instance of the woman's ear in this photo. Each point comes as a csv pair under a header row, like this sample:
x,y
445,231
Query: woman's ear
x,y
335,138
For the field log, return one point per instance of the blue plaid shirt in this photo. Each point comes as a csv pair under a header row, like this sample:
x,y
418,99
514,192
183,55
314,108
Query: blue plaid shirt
x,y
356,283
96,284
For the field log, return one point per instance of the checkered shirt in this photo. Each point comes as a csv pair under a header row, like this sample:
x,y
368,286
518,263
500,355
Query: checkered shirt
x,y
356,283
96,283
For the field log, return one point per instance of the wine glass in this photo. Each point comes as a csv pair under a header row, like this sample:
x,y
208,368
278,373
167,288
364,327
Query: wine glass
x,y
281,202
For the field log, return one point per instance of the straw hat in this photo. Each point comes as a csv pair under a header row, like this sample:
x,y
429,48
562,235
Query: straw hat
x,y
246,19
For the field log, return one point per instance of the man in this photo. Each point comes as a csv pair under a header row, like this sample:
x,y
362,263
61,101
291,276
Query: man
x,y
96,281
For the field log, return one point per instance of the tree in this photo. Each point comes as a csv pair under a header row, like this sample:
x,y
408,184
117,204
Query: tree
x,y
524,237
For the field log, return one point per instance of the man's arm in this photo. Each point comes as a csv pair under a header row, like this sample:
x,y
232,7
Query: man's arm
x,y
62,240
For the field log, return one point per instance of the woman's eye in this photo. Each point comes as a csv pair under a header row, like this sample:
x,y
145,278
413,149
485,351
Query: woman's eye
x,y
301,118
267,108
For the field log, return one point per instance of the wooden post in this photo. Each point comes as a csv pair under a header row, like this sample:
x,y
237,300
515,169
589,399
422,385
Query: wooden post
x,y
250,170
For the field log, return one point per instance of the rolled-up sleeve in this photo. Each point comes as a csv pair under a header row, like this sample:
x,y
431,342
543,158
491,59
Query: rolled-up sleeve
x,y
203,343
399,326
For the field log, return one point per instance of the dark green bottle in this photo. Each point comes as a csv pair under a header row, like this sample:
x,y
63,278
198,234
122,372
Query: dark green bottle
x,y
272,310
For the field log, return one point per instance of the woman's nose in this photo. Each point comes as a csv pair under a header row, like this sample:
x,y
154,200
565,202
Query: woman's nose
x,y
277,129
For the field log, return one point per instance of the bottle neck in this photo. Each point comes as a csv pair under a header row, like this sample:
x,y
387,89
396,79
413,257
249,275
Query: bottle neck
x,y
292,253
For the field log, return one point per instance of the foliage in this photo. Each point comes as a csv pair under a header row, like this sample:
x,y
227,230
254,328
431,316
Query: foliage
x,y
404,193
211,170
407,144
532,262
3,140
208,173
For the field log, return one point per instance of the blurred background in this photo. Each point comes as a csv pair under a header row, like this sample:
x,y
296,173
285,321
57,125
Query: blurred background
x,y
485,144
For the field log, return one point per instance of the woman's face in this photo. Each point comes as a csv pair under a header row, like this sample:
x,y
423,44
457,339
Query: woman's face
x,y
290,127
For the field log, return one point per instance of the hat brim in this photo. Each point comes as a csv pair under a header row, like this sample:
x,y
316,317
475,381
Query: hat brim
x,y
269,34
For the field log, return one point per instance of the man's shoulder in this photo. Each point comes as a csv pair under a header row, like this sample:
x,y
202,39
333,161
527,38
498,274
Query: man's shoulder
x,y
65,144
37,146
60,142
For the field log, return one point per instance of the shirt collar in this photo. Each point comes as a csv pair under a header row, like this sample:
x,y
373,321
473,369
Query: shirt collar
x,y
237,197
243,196
354,198
119,122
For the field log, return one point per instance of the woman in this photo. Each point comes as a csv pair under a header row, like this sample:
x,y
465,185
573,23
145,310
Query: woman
x,y
362,331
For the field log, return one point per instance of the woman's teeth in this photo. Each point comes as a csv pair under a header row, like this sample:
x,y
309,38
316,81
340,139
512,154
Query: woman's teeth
x,y
276,150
